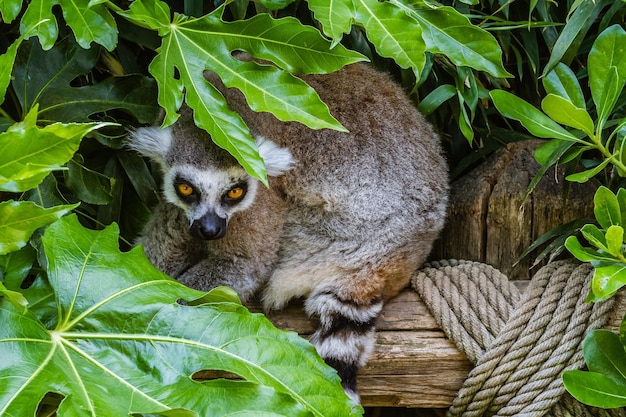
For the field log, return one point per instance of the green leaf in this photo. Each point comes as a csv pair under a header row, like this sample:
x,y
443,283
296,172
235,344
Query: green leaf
x,y
606,208
565,112
575,27
614,240
51,87
14,297
562,81
607,279
595,236
535,121
89,22
604,353
586,254
9,9
448,32
435,98
88,186
21,218
595,389
6,67
30,153
586,175
607,68
193,46
122,333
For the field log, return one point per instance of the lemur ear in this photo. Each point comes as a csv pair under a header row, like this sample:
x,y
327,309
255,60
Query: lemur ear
x,y
277,160
151,142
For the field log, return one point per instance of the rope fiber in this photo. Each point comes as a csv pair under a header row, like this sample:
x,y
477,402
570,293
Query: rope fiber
x,y
519,343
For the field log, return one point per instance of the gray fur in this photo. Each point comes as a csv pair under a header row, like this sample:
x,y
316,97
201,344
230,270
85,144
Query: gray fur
x,y
347,219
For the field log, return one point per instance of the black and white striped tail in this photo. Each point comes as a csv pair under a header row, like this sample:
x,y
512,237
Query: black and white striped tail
x,y
345,337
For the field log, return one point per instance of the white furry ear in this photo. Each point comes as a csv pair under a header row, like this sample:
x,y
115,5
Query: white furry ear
x,y
277,160
151,142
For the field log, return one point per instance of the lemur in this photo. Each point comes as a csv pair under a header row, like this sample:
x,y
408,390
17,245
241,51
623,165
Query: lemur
x,y
347,219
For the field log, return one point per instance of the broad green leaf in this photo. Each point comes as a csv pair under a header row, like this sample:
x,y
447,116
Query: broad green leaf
x,y
448,32
595,236
15,266
595,389
606,208
604,353
21,218
17,299
336,17
30,153
9,9
607,279
563,111
532,119
122,333
562,81
586,175
193,46
89,22
50,85
584,254
88,186
621,201
607,59
7,61
615,240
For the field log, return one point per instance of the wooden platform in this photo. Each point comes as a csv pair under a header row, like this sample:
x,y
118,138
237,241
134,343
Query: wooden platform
x,y
414,365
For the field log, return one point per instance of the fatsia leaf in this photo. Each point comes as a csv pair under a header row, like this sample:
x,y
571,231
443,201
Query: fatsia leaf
x,y
30,153
6,66
50,85
9,9
90,22
21,218
192,46
448,32
122,333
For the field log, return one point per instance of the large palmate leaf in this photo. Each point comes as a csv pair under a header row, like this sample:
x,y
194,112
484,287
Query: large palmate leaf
x,y
90,21
122,342
19,219
29,153
50,85
191,46
405,30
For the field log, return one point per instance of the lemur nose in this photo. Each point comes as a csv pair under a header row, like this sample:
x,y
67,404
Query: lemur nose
x,y
208,227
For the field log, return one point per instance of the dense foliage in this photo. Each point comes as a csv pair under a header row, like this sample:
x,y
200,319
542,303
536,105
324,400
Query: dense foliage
x,y
76,74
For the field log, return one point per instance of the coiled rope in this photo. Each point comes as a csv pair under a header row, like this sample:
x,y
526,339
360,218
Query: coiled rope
x,y
520,343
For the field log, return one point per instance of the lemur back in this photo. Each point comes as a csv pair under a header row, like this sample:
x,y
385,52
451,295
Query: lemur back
x,y
347,219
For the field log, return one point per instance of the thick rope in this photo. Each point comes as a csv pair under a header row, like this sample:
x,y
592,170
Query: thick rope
x,y
520,344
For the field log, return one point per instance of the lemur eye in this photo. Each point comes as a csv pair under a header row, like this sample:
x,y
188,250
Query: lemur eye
x,y
184,189
235,193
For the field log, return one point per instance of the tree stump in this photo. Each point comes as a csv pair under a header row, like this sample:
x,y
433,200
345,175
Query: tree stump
x,y
490,220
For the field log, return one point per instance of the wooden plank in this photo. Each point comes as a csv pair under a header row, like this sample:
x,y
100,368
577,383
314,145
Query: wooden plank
x,y
413,364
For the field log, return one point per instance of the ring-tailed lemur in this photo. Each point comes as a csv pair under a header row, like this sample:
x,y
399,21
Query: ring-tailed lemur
x,y
347,219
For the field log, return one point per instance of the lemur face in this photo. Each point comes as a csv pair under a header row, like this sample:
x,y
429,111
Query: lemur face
x,y
209,197
203,179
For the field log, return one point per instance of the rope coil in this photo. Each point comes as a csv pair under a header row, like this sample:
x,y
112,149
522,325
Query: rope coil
x,y
520,343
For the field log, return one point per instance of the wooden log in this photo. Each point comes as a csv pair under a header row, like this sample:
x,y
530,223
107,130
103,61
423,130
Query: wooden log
x,y
490,219
413,364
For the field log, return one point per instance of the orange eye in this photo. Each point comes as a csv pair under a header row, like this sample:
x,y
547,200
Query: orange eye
x,y
184,189
235,193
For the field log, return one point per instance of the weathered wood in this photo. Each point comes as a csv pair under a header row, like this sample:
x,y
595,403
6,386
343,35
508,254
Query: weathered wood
x,y
490,221
413,365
